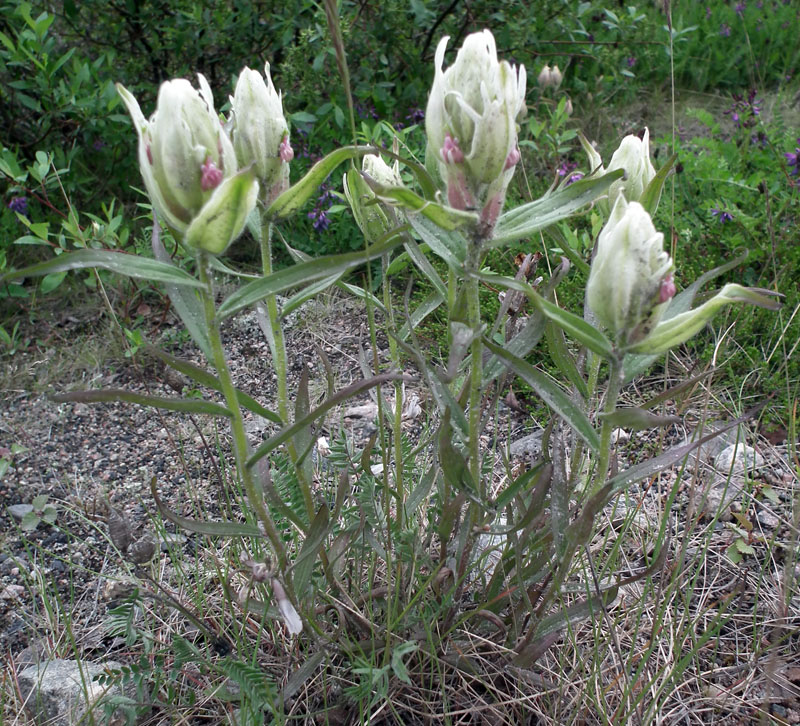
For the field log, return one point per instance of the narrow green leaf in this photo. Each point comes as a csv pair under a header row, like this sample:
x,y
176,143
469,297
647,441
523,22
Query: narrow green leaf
x,y
119,262
302,273
213,529
652,195
298,194
108,395
558,401
441,215
576,327
420,491
524,220
557,345
209,380
636,364
185,301
450,245
425,308
353,390
302,674
575,613
304,564
518,485
425,267
637,419
309,292
672,456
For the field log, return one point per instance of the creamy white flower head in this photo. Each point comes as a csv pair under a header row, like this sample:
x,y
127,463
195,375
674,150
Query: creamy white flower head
x,y
189,166
630,280
259,129
543,79
633,155
471,120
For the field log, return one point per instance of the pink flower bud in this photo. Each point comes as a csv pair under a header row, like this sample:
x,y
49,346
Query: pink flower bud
x,y
512,159
285,150
668,289
212,175
451,152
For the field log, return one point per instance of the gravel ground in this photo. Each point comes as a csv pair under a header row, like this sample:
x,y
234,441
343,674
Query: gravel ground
x,y
87,457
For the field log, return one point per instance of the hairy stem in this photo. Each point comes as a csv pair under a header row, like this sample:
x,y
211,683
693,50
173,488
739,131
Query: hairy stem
x,y
240,447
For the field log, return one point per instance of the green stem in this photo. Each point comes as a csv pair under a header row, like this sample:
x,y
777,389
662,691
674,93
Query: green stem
x,y
394,357
615,380
240,447
476,369
277,346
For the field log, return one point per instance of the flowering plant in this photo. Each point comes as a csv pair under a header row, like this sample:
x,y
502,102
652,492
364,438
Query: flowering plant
x,y
205,187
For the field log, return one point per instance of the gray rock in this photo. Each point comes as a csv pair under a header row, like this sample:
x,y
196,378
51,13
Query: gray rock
x,y
529,446
18,511
172,540
712,448
722,493
738,459
64,693
767,519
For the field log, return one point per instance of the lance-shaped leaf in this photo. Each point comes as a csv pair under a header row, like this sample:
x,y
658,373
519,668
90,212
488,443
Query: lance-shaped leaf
x,y
637,419
556,398
450,245
425,308
110,395
634,365
672,332
551,208
441,215
575,326
648,468
297,195
209,380
123,264
213,529
354,290
563,358
185,301
304,564
353,390
300,274
652,194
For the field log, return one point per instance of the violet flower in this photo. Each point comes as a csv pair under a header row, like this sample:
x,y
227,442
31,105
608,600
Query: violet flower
x,y
19,205
721,215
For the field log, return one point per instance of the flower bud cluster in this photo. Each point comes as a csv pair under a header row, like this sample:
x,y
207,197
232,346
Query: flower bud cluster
x,y
633,157
471,123
549,77
202,178
630,281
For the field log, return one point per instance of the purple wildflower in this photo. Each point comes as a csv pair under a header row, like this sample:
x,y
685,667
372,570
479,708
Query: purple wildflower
x,y
630,61
708,12
416,116
99,144
725,30
320,219
721,215
744,111
573,178
319,215
19,205
740,6
566,167
793,159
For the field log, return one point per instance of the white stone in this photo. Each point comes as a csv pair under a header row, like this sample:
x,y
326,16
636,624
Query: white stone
x,y
64,693
738,459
